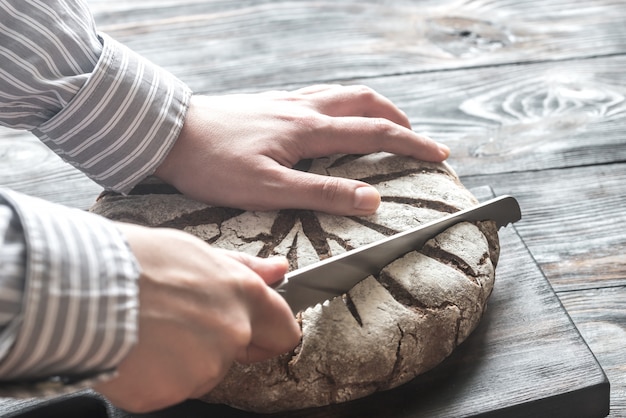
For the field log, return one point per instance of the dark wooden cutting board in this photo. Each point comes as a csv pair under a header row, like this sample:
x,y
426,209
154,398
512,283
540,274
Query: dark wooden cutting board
x,y
526,358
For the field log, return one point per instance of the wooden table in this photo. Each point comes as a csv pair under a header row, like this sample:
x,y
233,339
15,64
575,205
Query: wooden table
x,y
529,95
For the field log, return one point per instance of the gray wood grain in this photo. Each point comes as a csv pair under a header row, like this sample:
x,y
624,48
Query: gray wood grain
x,y
573,221
600,316
28,166
519,117
219,45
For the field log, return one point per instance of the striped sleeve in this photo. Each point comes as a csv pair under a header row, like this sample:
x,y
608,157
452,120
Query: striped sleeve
x,y
12,272
75,314
94,102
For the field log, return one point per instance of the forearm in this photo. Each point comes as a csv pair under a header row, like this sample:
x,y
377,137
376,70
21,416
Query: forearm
x,y
94,102
77,281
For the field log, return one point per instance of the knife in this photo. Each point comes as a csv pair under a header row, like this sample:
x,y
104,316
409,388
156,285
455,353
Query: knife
x,y
334,276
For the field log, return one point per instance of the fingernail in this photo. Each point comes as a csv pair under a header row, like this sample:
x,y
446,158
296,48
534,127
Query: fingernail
x,y
366,199
444,150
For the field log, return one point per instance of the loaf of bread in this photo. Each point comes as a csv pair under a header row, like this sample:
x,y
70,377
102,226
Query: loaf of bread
x,y
390,327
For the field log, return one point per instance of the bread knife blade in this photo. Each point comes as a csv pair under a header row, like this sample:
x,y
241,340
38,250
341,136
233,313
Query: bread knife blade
x,y
336,275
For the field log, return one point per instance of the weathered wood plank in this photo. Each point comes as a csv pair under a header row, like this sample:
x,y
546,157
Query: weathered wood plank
x,y
218,45
600,316
496,120
518,118
28,166
508,118
573,221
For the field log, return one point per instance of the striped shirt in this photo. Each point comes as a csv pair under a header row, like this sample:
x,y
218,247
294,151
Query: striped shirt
x,y
68,292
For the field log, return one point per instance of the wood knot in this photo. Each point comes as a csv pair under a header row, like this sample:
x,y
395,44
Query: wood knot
x,y
462,36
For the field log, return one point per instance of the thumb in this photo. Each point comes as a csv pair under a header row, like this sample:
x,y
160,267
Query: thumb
x,y
334,195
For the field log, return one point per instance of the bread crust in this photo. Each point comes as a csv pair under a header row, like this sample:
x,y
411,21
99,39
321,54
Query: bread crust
x,y
390,327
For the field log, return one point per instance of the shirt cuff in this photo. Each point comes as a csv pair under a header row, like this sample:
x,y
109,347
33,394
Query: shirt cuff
x,y
123,121
80,304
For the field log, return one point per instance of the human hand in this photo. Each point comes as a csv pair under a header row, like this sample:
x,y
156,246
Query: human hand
x,y
201,308
239,150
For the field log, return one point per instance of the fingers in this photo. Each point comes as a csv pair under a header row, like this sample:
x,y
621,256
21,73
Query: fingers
x,y
355,135
273,328
334,195
356,101
270,337
255,353
351,120
364,121
270,269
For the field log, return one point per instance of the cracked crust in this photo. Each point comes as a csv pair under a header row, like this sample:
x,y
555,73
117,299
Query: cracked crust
x,y
387,329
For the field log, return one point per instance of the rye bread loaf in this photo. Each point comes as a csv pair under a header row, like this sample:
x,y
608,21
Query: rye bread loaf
x,y
386,330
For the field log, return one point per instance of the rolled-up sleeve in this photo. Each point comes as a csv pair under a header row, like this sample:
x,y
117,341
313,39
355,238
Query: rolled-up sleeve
x,y
74,317
94,102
